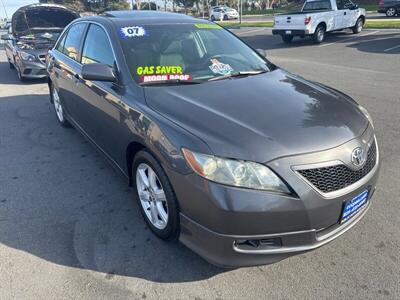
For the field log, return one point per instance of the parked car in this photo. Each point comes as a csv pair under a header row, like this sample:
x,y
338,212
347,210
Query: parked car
x,y
33,31
5,25
389,7
223,13
317,17
242,161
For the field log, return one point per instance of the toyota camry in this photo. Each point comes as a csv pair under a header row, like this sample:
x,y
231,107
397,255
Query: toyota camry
x,y
240,160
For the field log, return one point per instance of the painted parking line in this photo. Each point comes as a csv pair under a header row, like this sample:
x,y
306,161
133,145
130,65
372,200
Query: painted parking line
x,y
349,38
392,48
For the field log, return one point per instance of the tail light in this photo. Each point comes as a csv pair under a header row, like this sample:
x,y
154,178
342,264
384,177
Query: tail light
x,y
381,2
307,20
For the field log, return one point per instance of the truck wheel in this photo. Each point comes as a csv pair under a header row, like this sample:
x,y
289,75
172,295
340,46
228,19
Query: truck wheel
x,y
287,38
319,34
359,26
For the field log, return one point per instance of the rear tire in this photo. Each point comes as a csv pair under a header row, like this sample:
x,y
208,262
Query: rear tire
x,y
358,26
391,12
162,216
319,34
287,38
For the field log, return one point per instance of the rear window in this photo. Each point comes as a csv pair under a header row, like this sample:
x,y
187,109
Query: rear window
x,y
317,5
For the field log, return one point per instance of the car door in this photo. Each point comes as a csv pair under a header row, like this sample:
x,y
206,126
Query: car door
x,y
66,67
344,13
99,101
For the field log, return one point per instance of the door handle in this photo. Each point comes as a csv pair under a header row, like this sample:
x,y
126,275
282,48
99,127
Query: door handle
x,y
345,13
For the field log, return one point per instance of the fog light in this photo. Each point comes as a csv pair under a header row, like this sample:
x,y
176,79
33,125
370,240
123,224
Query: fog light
x,y
259,244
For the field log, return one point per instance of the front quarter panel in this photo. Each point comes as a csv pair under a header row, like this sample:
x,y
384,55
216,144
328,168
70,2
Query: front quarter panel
x,y
161,136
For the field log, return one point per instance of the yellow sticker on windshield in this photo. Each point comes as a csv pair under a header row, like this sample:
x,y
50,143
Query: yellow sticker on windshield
x,y
158,70
207,26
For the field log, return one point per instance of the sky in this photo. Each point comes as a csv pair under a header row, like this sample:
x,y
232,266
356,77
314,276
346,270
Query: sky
x,y
12,5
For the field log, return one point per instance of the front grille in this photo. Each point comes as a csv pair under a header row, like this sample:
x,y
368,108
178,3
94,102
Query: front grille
x,y
333,178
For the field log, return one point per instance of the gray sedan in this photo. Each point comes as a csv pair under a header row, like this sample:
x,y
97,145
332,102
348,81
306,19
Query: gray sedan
x,y
242,161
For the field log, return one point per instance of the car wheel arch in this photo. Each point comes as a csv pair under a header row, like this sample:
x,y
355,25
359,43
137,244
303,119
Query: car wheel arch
x,y
131,150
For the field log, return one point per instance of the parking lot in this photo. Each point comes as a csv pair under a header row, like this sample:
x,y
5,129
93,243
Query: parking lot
x,y
70,228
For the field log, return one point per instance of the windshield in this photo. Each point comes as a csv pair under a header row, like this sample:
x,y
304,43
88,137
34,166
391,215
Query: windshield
x,y
318,5
186,52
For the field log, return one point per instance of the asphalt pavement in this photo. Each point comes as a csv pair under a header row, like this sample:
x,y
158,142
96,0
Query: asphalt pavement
x,y
70,227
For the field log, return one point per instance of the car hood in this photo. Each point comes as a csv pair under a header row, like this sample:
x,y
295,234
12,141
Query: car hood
x,y
263,117
41,17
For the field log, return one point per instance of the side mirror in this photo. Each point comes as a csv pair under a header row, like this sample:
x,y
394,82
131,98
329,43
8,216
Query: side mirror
x,y
98,72
6,37
262,52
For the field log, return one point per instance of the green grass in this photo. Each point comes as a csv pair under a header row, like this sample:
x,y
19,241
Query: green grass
x,y
389,24
380,24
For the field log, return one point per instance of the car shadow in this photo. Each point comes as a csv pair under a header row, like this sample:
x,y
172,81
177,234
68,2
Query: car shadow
x,y
62,202
381,44
372,43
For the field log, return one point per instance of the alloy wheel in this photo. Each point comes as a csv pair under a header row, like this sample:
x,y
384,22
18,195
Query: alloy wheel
x,y
58,106
152,196
390,12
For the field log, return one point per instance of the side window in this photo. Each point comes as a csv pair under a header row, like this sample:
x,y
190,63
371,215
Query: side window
x,y
97,48
73,40
344,4
60,46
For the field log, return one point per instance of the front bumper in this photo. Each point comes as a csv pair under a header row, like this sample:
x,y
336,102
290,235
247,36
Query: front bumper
x,y
32,69
234,227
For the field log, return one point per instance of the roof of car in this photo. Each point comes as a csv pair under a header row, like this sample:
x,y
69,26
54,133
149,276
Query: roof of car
x,y
148,16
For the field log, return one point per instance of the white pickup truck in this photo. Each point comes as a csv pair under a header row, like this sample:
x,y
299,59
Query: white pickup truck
x,y
318,17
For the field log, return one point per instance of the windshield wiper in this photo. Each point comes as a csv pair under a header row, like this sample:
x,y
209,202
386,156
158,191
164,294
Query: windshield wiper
x,y
170,82
238,74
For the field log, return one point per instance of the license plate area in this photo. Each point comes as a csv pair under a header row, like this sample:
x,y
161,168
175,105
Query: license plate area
x,y
288,32
353,206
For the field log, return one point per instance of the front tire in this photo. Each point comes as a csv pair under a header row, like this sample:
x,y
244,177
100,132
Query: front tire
x,y
212,18
319,34
156,198
287,38
358,26
225,18
391,12
58,107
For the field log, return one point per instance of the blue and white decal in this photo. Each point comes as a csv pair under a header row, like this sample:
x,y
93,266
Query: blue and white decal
x,y
132,31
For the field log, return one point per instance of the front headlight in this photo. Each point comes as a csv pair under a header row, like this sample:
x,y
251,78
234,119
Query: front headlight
x,y
235,172
26,56
366,114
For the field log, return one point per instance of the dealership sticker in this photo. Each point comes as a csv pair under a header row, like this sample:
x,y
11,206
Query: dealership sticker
x,y
165,77
207,26
133,31
218,67
158,70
